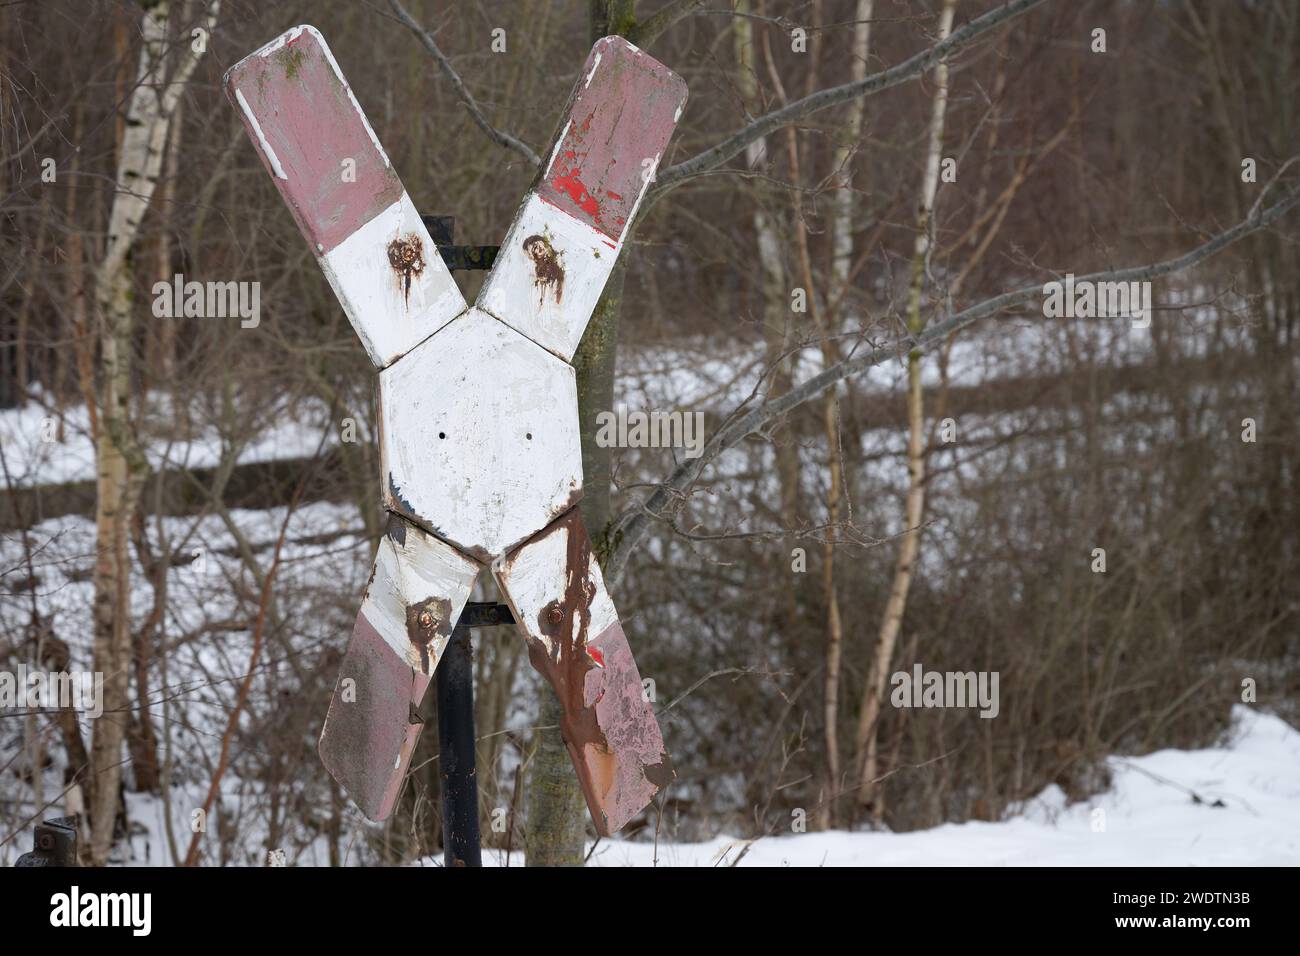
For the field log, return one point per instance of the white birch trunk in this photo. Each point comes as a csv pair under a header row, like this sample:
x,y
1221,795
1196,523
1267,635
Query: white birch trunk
x,y
915,508
841,227
120,462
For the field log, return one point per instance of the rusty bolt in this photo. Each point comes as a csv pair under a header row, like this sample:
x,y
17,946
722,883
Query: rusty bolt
x,y
406,254
426,619
555,615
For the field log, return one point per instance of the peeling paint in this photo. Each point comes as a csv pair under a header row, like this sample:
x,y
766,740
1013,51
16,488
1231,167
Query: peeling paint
x,y
575,641
267,151
617,116
367,739
398,297
511,290
555,150
395,495
396,532
279,42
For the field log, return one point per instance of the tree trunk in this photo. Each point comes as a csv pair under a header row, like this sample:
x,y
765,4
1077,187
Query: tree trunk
x,y
556,807
774,289
841,229
557,821
873,697
120,463
119,473
142,742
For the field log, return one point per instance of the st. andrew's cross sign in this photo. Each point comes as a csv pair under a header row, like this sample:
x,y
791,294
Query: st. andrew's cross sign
x,y
478,413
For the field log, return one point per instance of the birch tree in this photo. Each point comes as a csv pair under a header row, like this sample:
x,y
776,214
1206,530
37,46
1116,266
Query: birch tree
x,y
842,209
774,287
121,466
909,547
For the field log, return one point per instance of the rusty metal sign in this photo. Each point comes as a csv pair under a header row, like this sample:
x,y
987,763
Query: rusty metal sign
x,y
481,468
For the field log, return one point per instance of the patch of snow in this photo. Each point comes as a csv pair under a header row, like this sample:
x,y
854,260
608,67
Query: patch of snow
x,y
1150,819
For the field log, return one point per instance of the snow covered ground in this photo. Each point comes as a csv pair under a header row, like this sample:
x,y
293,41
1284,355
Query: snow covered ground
x,y
1147,818
1248,814
37,455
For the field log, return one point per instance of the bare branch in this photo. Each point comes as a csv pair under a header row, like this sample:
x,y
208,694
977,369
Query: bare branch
x,y
494,134
909,69
646,33
632,528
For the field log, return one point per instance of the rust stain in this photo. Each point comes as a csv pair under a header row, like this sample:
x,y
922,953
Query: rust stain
x,y
571,499
548,274
608,728
479,553
426,620
406,256
566,622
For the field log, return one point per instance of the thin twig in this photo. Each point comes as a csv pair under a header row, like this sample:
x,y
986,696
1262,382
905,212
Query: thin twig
x,y
632,528
494,134
909,69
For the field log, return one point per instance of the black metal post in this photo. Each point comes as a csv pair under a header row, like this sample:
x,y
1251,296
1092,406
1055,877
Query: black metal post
x,y
460,836
455,676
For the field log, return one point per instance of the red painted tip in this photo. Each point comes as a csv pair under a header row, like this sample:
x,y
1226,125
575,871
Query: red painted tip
x,y
595,654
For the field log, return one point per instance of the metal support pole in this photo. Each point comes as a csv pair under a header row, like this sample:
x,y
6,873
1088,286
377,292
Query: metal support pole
x,y
460,836
455,677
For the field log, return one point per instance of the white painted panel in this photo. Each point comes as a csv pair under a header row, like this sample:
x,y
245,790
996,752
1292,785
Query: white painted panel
x,y
419,568
392,310
537,573
548,276
479,435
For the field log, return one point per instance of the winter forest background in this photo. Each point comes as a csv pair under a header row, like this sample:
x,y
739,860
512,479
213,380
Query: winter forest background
x,y
190,506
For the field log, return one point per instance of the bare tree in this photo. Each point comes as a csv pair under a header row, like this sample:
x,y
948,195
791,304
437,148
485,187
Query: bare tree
x,y
161,74
908,549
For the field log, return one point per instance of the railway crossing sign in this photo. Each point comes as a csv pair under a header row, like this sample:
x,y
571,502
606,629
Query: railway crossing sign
x,y
479,441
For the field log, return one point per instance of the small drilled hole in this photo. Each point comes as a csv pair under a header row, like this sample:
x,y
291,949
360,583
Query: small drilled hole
x,y
529,436
442,434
